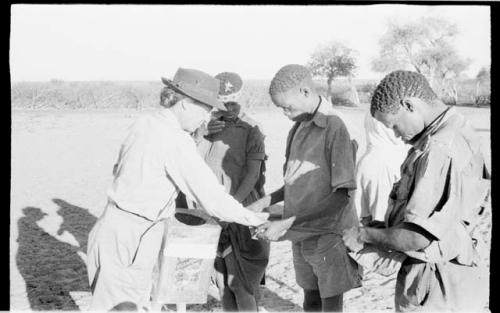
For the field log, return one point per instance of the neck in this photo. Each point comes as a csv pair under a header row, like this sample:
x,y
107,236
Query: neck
x,y
314,104
175,110
433,113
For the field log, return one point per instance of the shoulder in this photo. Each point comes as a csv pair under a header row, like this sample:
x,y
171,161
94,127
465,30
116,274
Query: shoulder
x,y
335,126
333,121
143,123
250,122
457,138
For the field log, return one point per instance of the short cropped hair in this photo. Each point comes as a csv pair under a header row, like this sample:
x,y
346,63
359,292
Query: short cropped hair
x,y
287,77
395,87
169,97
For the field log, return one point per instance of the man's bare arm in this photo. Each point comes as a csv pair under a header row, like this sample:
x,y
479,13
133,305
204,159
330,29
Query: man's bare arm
x,y
405,237
268,200
248,182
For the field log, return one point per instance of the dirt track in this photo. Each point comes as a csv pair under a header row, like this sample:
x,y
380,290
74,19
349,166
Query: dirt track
x,y
61,167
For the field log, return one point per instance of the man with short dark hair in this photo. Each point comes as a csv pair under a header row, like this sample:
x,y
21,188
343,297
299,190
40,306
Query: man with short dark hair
x,y
157,160
319,176
436,205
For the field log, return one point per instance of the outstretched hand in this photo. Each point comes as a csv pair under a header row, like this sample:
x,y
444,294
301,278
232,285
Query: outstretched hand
x,y
351,239
258,205
273,231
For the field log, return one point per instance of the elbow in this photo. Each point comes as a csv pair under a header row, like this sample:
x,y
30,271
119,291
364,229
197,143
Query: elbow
x,y
418,242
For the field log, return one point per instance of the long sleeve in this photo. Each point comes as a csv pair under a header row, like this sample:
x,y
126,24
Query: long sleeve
x,y
193,177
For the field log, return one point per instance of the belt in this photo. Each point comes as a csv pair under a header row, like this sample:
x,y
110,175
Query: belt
x,y
116,206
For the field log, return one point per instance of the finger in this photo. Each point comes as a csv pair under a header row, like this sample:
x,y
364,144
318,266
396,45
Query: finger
x,y
216,123
214,129
263,215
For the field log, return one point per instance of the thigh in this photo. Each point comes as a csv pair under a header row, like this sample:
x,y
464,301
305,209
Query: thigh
x,y
304,273
127,251
245,299
219,275
337,272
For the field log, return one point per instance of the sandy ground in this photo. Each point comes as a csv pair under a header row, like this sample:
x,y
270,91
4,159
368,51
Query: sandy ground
x,y
61,167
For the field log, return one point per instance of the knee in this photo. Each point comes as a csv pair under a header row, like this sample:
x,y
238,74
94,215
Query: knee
x,y
125,306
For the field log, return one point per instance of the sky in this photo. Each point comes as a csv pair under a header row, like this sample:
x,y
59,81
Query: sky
x,y
145,42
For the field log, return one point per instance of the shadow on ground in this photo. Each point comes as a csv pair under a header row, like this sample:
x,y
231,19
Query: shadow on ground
x,y
272,302
268,299
52,268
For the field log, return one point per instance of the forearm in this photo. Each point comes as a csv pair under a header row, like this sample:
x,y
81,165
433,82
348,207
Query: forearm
x,y
246,186
323,209
400,238
248,182
277,196
194,178
267,201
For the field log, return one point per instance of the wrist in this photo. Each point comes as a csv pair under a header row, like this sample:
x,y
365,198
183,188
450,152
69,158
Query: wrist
x,y
291,219
363,235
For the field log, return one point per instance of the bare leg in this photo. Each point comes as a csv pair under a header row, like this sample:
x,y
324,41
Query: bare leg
x,y
333,304
312,301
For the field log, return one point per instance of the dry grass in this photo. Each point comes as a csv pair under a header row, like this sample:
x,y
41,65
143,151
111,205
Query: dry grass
x,y
138,95
61,168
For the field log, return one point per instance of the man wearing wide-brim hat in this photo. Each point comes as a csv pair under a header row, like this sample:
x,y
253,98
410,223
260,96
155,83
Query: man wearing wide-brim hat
x,y
157,160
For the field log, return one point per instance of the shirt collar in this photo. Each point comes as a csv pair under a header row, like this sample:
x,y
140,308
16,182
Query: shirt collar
x,y
319,119
422,139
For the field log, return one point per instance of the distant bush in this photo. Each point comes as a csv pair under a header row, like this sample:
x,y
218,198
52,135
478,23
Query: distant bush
x,y
366,91
482,101
58,94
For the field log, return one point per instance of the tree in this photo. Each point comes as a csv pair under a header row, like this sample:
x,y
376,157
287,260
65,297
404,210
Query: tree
x,y
425,46
483,77
331,61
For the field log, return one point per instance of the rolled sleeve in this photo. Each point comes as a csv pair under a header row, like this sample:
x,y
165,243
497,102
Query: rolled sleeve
x,y
342,159
194,178
255,145
429,206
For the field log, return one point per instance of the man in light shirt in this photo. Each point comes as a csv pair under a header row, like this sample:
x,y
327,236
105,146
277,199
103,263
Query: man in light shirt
x,y
377,171
157,160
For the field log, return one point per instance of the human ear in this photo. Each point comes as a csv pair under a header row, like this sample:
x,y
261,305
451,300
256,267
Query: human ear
x,y
408,104
305,91
183,104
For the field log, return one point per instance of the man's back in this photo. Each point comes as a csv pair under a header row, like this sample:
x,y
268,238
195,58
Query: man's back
x,y
140,185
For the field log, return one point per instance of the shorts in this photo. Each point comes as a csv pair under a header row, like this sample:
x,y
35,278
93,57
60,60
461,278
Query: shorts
x,y
123,250
322,263
439,287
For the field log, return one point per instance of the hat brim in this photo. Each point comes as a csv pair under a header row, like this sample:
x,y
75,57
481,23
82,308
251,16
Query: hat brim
x,y
198,97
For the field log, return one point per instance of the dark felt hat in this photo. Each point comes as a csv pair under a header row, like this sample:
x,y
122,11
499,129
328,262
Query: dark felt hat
x,y
197,85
